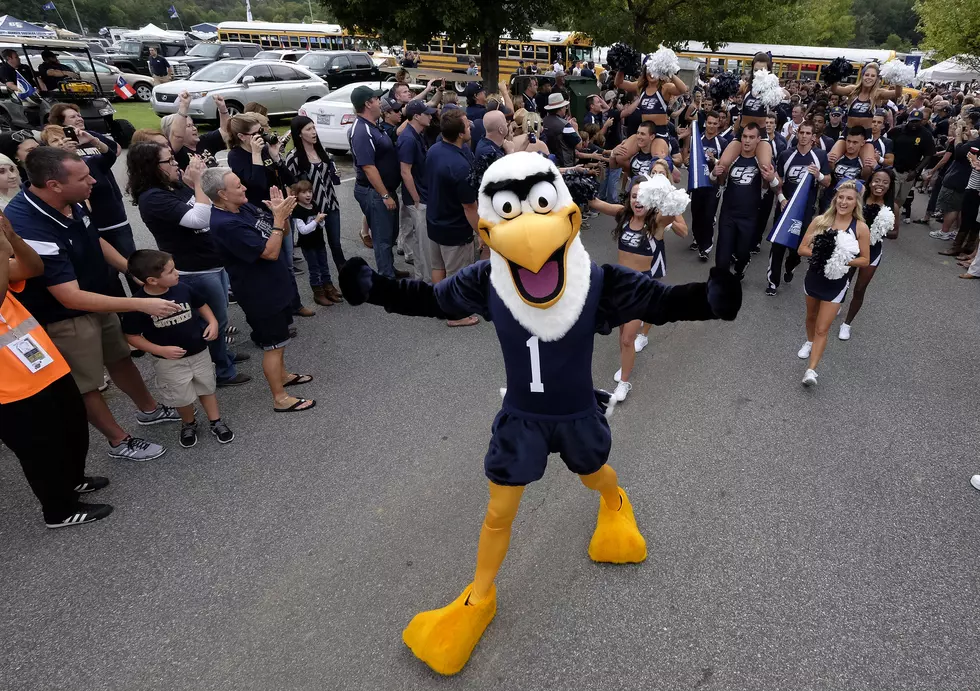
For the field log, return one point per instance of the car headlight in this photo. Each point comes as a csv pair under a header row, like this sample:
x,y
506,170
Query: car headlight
x,y
198,94
107,111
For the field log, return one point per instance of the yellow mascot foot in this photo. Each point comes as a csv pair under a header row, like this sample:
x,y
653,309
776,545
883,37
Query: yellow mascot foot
x,y
444,638
616,539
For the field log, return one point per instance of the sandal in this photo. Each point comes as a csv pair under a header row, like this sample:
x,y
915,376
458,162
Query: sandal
x,y
472,320
968,276
297,407
298,379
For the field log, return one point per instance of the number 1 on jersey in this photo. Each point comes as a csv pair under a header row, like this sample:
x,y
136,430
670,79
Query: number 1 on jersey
x,y
537,386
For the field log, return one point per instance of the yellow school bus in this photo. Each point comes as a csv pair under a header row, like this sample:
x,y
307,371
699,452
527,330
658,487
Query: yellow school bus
x,y
543,49
316,36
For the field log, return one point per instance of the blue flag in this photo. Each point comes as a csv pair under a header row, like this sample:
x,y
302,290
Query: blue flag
x,y
789,230
26,89
697,170
173,12
48,6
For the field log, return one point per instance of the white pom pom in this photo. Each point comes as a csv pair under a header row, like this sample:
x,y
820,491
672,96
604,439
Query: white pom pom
x,y
846,249
651,192
663,64
765,87
884,222
897,72
674,203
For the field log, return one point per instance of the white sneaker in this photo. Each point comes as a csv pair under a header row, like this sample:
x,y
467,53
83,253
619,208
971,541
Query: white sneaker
x,y
622,388
951,235
937,234
810,378
845,332
804,352
975,481
640,343
619,374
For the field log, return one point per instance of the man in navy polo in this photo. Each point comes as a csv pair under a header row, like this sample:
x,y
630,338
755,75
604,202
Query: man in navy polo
x,y
378,176
411,158
476,108
72,298
160,68
451,215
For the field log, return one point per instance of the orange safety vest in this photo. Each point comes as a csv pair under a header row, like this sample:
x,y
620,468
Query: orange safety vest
x,y
17,382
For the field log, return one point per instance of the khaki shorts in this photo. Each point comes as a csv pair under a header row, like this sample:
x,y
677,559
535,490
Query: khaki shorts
x,y
182,381
161,80
450,258
89,343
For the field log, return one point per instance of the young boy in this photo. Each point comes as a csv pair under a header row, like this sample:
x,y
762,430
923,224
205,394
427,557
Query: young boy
x,y
314,247
181,360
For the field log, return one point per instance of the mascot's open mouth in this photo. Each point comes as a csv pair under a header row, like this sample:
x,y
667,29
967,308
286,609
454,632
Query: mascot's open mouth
x,y
546,284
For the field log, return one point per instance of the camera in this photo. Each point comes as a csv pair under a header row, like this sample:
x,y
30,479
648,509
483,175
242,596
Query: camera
x,y
270,138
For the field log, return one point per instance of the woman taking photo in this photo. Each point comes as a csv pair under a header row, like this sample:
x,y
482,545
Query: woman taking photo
x,y
639,231
308,161
863,100
880,195
177,213
824,294
652,98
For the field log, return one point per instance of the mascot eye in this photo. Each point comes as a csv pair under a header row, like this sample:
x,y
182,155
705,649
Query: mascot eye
x,y
507,204
543,197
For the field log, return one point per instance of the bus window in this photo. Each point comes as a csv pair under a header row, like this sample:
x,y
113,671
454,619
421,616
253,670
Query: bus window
x,y
581,54
513,50
294,41
502,50
447,48
527,52
541,53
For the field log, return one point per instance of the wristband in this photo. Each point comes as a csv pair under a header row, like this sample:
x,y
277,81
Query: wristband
x,y
774,183
276,229
781,198
712,177
821,177
668,226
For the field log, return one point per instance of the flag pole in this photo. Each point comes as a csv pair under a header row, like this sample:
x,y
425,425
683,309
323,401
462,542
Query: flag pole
x,y
60,18
81,28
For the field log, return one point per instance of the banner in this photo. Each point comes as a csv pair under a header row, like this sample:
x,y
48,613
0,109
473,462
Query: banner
x,y
789,230
173,12
697,169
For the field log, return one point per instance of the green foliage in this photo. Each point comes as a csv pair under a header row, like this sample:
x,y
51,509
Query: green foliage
x,y
813,23
951,27
877,21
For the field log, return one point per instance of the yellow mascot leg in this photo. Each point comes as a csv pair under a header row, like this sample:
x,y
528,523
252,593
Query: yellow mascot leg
x,y
444,638
616,539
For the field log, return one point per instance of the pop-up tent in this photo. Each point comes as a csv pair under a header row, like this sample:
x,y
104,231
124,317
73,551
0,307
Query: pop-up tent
x,y
151,32
952,70
11,26
205,28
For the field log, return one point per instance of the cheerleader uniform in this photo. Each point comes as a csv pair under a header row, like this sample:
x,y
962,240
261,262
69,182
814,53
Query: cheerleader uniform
x,y
638,242
860,109
817,285
654,105
870,214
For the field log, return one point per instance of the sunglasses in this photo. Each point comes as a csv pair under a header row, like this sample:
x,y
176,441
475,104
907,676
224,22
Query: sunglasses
x,y
21,136
169,161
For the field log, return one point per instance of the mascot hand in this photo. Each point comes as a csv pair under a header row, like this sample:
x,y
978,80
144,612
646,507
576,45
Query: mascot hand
x,y
356,280
724,293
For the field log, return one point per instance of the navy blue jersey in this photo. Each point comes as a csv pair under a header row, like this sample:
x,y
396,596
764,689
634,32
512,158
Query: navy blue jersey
x,y
846,168
715,144
791,166
752,106
652,104
743,190
640,164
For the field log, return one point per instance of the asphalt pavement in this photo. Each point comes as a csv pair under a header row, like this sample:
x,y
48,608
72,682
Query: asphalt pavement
x,y
798,538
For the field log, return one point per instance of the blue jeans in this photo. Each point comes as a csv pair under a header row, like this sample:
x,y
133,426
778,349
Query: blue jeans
x,y
316,265
213,287
332,225
383,225
609,191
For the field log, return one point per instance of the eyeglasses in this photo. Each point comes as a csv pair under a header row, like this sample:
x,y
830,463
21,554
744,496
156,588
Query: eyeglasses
x,y
169,161
21,136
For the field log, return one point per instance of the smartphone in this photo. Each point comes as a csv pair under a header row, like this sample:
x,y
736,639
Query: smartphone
x,y
71,133
285,138
531,137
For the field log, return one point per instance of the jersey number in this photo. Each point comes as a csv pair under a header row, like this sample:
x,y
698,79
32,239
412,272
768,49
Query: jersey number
x,y
537,386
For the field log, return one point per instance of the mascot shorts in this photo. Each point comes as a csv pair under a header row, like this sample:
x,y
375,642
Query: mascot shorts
x,y
519,447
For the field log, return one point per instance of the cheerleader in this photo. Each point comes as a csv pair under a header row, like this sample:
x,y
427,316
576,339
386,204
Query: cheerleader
x,y
881,195
824,294
640,233
863,100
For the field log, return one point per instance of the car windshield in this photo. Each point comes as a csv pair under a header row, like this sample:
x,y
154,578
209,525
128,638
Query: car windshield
x,y
129,47
314,61
267,55
205,50
217,72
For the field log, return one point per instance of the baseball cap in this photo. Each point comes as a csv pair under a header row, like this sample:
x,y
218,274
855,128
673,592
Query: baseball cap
x,y
609,95
836,110
363,94
418,107
472,89
388,104
450,106
916,114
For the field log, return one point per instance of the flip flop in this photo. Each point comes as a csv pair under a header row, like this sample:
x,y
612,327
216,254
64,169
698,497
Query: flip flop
x,y
968,276
299,379
468,321
295,407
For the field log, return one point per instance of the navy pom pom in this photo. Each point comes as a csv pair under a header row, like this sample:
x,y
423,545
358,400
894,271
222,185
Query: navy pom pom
x,y
824,245
582,186
723,86
623,58
838,70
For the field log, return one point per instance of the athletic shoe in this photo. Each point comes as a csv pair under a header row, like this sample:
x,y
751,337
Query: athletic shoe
x,y
975,481
693,246
740,275
91,484
906,219
622,388
82,513
136,449
237,380
771,290
105,384
641,342
845,332
788,277
951,235
188,434
703,255
810,378
220,430
804,352
937,234
162,413
619,374
231,298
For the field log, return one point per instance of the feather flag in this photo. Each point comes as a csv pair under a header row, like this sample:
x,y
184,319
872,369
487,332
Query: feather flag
x,y
698,170
789,230
123,89
173,12
48,7
25,89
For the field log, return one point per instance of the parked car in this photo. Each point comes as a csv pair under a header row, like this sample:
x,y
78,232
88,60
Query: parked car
x,y
206,53
282,55
281,88
339,67
132,55
334,114
106,75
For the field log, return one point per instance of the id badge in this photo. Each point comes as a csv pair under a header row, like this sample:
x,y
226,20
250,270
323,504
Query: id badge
x,y
30,353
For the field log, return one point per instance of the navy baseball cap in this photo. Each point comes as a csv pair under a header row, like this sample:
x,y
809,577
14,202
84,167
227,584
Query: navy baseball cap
x,y
472,89
450,106
916,114
362,95
836,110
389,104
418,107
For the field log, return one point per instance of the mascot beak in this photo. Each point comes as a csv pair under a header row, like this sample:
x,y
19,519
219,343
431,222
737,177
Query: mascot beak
x,y
535,247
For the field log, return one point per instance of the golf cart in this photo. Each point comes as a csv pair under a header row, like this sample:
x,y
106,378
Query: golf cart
x,y
88,97
423,75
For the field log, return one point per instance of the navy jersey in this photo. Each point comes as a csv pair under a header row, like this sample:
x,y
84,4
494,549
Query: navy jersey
x,y
883,146
791,166
860,109
715,144
846,168
634,241
743,190
640,164
752,106
652,104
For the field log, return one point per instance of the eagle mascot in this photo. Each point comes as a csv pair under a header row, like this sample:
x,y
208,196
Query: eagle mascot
x,y
547,300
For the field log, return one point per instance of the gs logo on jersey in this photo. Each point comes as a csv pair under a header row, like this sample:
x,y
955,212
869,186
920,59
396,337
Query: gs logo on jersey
x,y
796,173
796,227
743,175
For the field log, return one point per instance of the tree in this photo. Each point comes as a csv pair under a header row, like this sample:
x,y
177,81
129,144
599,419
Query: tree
x,y
896,43
951,27
473,22
879,20
812,23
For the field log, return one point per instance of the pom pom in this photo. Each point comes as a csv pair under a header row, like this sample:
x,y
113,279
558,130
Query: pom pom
x,y
883,223
823,246
723,87
582,186
838,70
623,58
674,203
845,249
652,191
479,167
765,87
663,64
897,72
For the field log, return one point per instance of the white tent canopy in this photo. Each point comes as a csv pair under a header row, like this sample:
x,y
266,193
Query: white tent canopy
x,y
951,70
152,31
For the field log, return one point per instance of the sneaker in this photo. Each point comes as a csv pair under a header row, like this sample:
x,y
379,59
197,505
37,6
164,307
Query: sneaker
x,y
771,290
951,235
641,342
237,380
220,430
702,255
188,434
622,388
975,481
693,246
619,374
136,449
82,513
162,413
936,234
906,219
231,298
788,277
91,484
105,384
845,332
810,378
804,352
